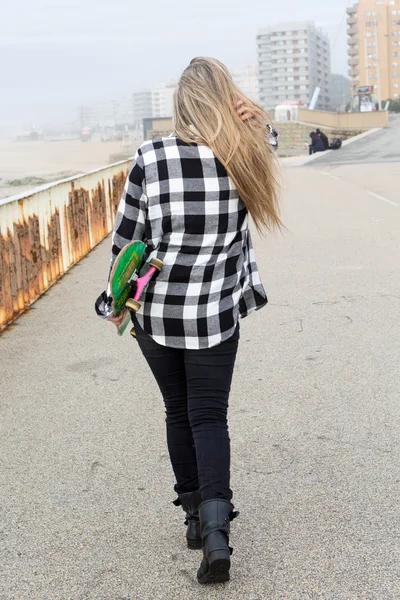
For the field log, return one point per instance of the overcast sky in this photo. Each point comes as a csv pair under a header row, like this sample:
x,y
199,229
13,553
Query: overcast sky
x,y
57,54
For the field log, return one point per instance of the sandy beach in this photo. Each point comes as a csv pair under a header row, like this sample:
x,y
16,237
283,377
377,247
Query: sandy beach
x,y
51,161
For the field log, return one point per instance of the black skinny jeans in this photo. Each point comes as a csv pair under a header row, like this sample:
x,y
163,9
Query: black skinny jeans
x,y
195,385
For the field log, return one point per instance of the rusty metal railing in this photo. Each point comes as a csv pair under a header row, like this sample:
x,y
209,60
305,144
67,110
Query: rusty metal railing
x,y
46,231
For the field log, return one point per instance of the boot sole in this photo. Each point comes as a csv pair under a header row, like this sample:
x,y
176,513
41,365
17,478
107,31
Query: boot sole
x,y
194,544
218,571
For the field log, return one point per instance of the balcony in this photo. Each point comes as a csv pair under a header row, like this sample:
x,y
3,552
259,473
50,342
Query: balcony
x,y
353,41
352,30
353,51
352,62
352,20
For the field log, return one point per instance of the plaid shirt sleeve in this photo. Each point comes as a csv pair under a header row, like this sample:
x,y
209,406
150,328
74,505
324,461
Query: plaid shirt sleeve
x,y
129,224
253,296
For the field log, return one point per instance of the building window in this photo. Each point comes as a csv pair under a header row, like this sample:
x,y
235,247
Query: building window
x,y
395,75
368,14
396,86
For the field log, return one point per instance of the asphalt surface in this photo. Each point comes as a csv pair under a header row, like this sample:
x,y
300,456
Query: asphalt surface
x,y
383,146
86,486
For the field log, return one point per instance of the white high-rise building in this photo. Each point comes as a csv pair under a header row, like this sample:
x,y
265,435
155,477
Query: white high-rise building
x,y
152,104
142,106
293,59
247,80
107,114
162,99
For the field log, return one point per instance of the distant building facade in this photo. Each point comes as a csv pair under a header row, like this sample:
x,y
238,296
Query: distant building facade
x,y
293,59
98,115
374,47
107,115
154,103
340,92
247,80
142,105
163,99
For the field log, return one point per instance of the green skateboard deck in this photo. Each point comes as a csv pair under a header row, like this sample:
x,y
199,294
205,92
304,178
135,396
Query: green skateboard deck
x,y
128,261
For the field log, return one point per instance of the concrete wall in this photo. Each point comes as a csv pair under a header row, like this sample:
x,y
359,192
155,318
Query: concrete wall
x,y
296,136
46,231
359,121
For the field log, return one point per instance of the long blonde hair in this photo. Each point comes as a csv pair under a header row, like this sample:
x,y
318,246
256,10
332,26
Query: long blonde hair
x,y
205,113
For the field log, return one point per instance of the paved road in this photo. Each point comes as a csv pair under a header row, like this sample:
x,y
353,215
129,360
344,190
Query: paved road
x,y
383,146
86,509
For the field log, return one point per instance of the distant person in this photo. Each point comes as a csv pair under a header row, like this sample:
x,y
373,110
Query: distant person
x,y
317,145
323,138
189,197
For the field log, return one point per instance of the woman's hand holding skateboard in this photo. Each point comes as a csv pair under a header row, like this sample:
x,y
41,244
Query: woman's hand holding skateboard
x,y
117,321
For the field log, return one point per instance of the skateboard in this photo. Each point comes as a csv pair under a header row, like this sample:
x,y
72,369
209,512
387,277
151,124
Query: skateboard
x,y
126,289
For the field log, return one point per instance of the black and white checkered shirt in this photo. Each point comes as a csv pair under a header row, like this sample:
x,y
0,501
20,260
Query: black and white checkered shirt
x,y
179,200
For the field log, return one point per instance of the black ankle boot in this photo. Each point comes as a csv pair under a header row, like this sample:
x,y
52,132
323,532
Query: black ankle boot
x,y
190,503
215,517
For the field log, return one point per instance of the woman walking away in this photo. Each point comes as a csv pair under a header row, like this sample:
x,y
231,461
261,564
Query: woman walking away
x,y
188,197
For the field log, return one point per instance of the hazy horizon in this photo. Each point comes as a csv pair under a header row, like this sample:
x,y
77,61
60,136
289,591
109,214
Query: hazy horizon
x,y
54,58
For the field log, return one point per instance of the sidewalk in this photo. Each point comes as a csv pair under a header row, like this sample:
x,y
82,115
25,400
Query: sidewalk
x,y
86,506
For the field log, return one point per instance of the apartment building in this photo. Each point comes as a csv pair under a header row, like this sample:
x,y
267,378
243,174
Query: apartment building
x,y
142,106
247,80
107,114
293,59
374,47
163,99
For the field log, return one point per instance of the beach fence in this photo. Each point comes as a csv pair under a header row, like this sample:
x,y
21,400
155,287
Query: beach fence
x,y
46,231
